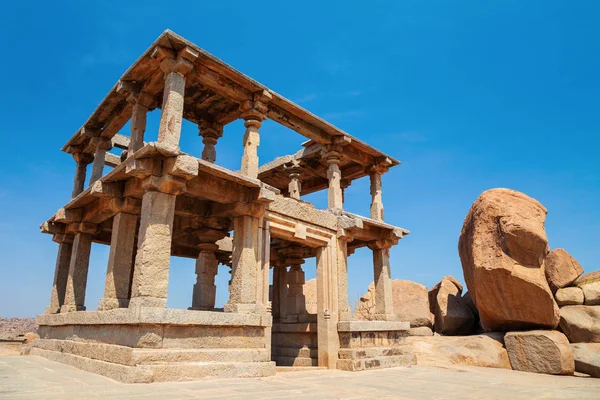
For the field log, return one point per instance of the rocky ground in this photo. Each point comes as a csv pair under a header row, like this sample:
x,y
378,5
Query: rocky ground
x,y
17,326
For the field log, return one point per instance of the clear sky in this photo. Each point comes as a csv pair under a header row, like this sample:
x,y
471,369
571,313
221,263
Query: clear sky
x,y
469,95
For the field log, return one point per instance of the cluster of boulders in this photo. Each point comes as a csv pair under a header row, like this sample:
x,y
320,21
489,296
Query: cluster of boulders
x,y
543,312
539,297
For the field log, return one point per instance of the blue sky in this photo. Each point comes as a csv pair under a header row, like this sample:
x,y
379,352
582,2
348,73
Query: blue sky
x,y
469,95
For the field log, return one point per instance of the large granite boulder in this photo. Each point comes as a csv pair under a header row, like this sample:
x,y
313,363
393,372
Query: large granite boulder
x,y
485,350
581,324
561,269
542,352
569,296
502,247
452,315
411,304
587,358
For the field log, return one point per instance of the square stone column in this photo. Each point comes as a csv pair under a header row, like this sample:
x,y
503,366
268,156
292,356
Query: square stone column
x,y
141,102
341,261
207,266
61,274
245,265
78,273
82,159
375,174
327,307
102,146
384,301
175,68
151,272
120,262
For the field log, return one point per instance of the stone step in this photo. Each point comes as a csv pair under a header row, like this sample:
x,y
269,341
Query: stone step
x,y
175,371
154,356
295,361
376,362
372,352
138,356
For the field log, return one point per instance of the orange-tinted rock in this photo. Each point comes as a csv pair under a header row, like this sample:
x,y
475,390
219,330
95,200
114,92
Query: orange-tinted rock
x,y
452,315
561,269
542,352
502,247
581,324
411,304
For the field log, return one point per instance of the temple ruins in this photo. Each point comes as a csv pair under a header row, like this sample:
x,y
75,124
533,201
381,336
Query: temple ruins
x,y
149,201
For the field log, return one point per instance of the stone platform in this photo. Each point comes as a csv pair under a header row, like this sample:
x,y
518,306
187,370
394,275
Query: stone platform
x,y
154,344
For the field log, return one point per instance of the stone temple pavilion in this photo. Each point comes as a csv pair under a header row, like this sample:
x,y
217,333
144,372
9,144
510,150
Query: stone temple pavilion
x,y
149,201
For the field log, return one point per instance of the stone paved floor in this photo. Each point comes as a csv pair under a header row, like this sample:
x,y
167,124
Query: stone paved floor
x,y
37,378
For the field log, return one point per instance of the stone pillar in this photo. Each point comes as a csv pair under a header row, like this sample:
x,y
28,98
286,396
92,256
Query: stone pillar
x,y
384,300
245,262
120,262
82,159
376,193
102,146
295,278
151,271
61,274
171,116
327,307
294,187
78,273
207,265
334,194
210,132
141,102
254,111
345,314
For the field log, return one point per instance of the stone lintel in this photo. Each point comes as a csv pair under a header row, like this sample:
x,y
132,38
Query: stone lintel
x,y
373,326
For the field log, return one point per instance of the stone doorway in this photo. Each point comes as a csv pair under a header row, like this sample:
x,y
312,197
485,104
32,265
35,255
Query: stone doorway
x,y
294,337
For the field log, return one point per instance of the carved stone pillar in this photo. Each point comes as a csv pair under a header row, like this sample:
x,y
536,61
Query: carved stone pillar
x,y
294,187
120,262
141,103
150,282
151,272
207,266
375,174
82,159
254,112
295,278
78,269
175,69
61,274
341,256
334,194
245,262
102,146
210,132
384,300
